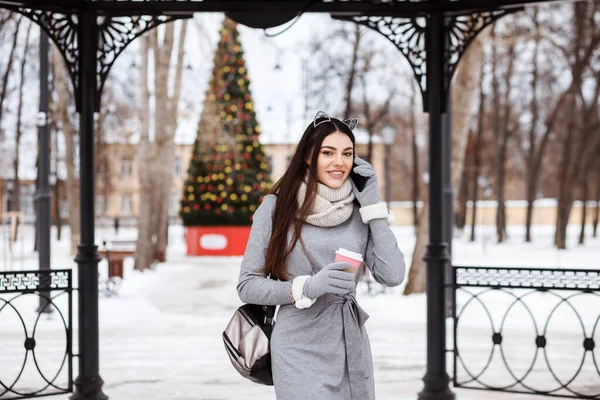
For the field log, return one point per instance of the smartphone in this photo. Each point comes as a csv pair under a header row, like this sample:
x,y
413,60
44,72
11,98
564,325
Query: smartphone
x,y
359,181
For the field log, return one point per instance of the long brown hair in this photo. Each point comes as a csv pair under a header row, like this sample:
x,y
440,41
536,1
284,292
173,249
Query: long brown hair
x,y
286,213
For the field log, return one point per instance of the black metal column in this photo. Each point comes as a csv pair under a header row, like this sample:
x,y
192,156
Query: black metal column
x,y
88,385
43,193
436,379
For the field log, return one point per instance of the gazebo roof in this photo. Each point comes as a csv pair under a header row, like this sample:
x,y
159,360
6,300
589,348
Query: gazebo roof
x,y
337,7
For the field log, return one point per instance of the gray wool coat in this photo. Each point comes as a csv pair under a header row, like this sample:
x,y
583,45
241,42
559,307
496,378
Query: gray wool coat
x,y
321,352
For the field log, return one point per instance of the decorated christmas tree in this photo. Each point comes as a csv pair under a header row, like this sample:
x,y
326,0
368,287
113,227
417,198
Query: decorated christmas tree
x,y
228,173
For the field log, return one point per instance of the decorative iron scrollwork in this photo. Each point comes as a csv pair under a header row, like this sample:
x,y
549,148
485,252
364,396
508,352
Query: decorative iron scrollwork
x,y
408,35
534,278
34,366
62,30
16,282
115,33
460,32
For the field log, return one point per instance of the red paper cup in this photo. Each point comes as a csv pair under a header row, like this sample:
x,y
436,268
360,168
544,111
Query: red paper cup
x,y
354,259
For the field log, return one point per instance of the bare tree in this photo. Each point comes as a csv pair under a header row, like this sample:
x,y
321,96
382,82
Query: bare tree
x,y
5,75
583,44
597,197
476,172
19,127
70,134
503,131
373,116
352,73
590,149
464,96
352,81
462,197
415,154
157,155
53,131
533,160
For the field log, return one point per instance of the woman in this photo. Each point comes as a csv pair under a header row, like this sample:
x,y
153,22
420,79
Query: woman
x,y
319,346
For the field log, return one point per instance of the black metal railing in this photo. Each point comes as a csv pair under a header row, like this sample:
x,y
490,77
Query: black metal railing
x,y
527,330
36,334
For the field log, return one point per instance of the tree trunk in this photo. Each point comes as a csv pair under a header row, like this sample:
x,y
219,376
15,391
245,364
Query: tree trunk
x,y
417,277
595,221
415,155
577,142
584,195
477,153
163,132
531,175
464,94
69,133
169,158
353,72
156,156
145,249
502,136
9,63
18,128
463,197
597,212
565,199
54,132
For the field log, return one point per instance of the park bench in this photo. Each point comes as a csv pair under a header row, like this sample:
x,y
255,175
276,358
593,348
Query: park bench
x,y
115,252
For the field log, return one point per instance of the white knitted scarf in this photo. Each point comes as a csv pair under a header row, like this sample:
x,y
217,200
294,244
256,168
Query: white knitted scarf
x,y
331,206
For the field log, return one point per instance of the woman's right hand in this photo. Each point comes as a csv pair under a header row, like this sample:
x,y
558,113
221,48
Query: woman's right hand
x,y
331,279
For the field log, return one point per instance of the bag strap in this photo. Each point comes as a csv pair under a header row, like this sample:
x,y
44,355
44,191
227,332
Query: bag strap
x,y
269,310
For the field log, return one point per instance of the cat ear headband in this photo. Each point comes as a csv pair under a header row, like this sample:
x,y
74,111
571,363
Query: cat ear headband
x,y
323,117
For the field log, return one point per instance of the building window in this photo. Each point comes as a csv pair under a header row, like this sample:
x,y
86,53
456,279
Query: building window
x,y
126,204
100,205
126,167
174,205
27,203
177,166
8,194
102,167
63,208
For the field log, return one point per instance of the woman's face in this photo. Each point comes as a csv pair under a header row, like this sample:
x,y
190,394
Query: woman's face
x,y
334,163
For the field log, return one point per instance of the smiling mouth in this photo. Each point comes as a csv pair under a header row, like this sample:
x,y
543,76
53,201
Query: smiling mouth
x,y
335,174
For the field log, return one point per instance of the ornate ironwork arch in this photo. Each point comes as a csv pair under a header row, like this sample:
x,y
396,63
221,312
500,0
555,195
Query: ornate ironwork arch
x,y
114,34
408,35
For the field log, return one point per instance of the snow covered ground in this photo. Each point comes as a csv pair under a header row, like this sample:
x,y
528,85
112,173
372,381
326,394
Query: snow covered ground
x,y
160,338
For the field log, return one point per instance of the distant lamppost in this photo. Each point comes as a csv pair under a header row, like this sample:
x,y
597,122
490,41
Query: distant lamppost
x,y
43,190
305,74
388,135
288,113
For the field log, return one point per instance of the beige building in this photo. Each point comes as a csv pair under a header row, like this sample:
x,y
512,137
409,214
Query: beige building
x,y
117,182
118,188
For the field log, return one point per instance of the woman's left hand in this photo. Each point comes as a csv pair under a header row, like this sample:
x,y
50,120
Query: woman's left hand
x,y
370,193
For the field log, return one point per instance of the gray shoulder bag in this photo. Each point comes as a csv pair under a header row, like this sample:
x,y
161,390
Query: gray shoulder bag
x,y
247,342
